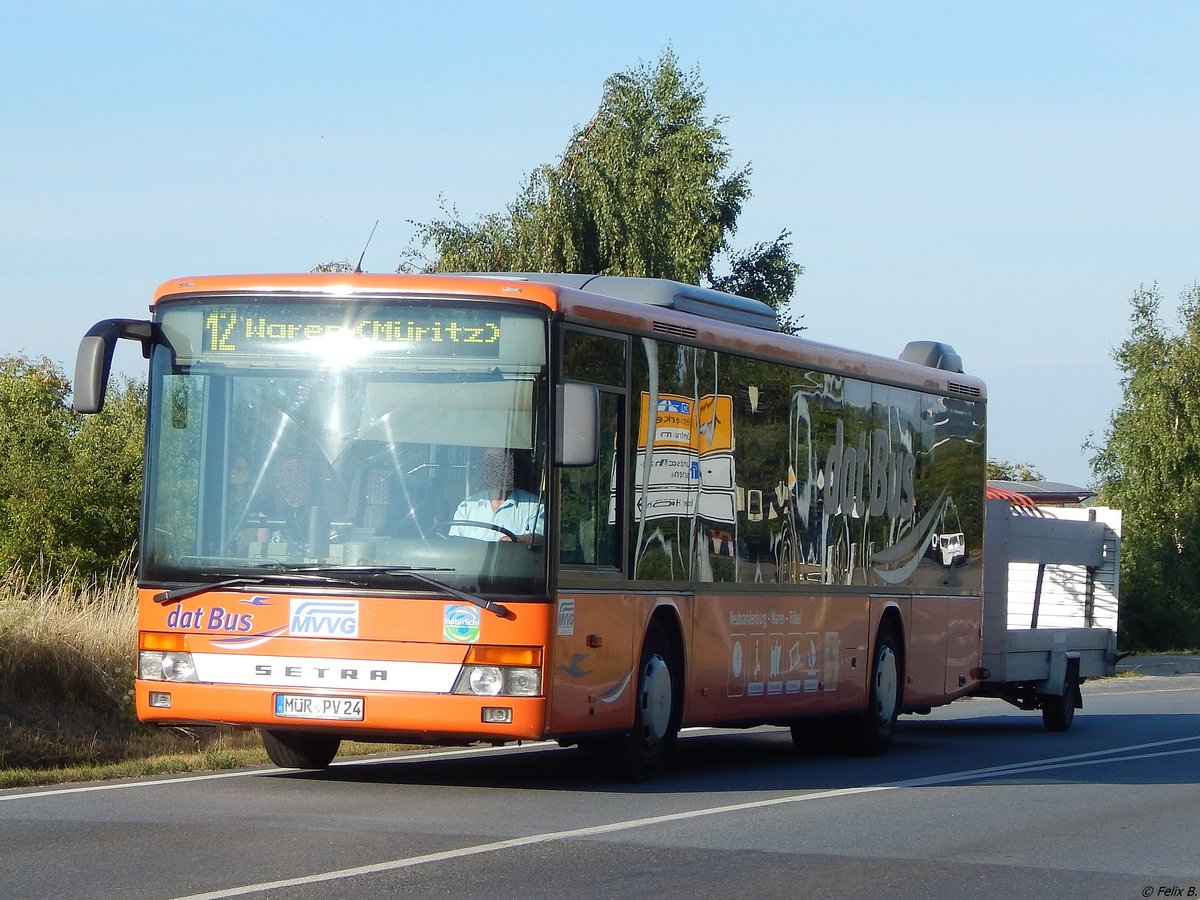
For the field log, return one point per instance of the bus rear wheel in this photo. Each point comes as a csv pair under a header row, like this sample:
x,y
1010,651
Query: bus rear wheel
x,y
298,750
872,730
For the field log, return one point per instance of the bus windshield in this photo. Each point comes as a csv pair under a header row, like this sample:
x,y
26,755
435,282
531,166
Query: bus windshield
x,y
370,438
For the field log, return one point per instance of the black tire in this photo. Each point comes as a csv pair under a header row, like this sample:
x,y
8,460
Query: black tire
x,y
871,732
300,750
1058,712
638,754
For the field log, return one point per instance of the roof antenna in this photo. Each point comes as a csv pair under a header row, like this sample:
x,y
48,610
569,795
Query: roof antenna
x,y
358,268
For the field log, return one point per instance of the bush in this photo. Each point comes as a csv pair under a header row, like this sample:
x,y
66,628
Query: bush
x,y
70,485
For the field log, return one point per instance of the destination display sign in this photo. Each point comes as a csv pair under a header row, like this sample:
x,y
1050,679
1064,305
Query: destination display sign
x,y
434,331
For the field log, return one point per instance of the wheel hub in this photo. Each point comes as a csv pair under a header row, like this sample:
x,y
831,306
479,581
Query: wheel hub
x,y
887,682
656,699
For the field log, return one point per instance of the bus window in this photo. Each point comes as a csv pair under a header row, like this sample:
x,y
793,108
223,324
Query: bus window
x,y
594,358
683,471
588,521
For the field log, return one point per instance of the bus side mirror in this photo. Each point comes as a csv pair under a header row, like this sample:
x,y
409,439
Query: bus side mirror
x,y
578,420
93,363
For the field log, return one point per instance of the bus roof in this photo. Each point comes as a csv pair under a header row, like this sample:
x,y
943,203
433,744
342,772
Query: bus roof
x,y
352,283
650,307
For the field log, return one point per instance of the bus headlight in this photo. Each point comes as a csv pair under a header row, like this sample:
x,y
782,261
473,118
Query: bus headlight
x,y
501,671
523,682
495,681
485,680
157,665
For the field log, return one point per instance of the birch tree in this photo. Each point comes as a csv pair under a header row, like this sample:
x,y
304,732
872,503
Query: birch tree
x,y
645,188
1149,466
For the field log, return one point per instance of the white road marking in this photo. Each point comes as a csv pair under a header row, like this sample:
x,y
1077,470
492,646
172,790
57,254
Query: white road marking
x,y
1187,690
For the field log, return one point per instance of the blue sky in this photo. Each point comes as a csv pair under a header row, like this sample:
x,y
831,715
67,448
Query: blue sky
x,y
998,176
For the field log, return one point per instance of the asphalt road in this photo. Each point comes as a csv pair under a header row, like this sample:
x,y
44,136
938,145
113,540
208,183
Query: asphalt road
x,y
976,800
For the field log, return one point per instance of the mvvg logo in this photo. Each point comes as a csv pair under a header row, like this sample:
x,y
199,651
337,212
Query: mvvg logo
x,y
324,618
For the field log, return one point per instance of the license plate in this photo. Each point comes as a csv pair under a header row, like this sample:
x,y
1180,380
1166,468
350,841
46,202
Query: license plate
x,y
309,706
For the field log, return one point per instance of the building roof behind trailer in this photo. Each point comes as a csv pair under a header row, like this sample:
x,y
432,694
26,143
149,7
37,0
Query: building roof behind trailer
x,y
1043,493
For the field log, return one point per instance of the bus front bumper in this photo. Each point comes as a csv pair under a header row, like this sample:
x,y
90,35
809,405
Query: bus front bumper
x,y
357,715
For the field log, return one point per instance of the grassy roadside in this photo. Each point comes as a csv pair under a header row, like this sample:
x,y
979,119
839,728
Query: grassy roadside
x,y
66,690
225,754
224,751
66,672
66,693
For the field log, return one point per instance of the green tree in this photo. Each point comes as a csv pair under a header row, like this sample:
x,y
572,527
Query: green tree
x,y
1149,467
35,429
1003,470
334,266
106,462
70,485
644,188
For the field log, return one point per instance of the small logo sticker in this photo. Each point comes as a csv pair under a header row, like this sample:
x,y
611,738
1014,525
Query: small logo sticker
x,y
566,617
324,618
461,623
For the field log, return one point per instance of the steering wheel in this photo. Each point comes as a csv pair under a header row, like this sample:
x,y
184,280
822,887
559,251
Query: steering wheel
x,y
444,528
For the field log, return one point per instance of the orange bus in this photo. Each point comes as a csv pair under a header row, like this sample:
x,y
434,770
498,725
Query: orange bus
x,y
489,508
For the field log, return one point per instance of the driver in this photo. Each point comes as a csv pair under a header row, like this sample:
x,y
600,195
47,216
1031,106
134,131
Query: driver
x,y
519,513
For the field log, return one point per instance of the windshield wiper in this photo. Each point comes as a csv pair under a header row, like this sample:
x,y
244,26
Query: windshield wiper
x,y
491,606
323,574
234,581
417,573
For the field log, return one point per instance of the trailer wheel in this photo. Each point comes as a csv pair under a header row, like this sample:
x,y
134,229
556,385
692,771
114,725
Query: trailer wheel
x,y
297,750
1058,712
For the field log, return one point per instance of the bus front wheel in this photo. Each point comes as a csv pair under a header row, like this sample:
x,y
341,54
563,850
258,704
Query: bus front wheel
x,y
639,753
298,750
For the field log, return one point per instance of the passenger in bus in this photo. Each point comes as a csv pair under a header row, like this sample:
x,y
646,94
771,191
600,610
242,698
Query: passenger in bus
x,y
504,512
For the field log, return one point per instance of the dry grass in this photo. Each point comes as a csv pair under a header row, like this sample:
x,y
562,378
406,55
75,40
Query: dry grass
x,y
66,688
66,672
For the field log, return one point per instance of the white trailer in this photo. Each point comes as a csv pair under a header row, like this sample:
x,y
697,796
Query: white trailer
x,y
1050,588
